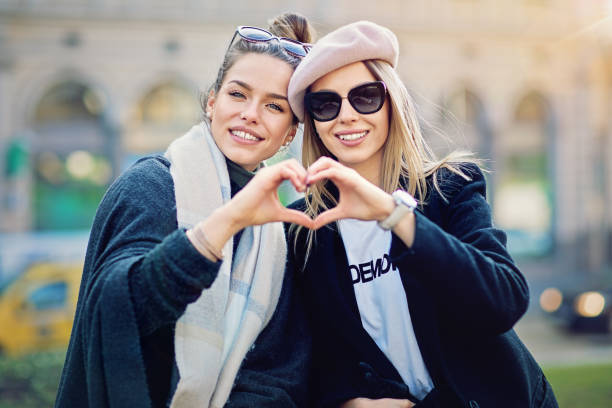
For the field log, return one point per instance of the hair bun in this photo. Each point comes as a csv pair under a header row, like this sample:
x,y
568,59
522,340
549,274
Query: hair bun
x,y
292,25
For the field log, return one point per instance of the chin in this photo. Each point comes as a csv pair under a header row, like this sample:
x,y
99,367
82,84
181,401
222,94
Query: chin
x,y
248,160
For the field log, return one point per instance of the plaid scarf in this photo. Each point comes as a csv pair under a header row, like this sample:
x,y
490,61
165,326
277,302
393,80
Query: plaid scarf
x,y
215,333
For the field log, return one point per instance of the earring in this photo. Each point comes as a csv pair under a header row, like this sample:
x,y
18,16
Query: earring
x,y
284,147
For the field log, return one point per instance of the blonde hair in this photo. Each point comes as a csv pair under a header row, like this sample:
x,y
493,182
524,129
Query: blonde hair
x,y
406,155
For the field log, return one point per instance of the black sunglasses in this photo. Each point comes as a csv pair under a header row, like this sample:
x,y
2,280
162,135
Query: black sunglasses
x,y
367,98
255,34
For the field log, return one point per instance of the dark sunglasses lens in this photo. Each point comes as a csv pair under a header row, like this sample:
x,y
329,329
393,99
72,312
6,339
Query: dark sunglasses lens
x,y
294,48
254,34
367,98
323,106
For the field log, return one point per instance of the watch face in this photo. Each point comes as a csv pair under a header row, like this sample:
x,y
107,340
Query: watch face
x,y
402,197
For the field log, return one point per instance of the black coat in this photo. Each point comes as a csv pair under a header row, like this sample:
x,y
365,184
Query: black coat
x,y
140,274
464,294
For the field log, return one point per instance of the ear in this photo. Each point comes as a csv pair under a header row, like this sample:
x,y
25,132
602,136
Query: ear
x,y
210,104
290,134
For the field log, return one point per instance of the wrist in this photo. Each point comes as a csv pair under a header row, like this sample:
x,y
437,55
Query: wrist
x,y
217,229
387,206
403,204
229,216
198,239
406,229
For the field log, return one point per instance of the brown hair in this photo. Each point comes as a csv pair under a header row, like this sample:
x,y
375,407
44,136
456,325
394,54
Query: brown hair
x,y
290,25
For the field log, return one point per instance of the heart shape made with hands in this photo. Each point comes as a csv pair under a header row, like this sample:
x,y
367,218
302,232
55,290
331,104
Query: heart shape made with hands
x,y
358,197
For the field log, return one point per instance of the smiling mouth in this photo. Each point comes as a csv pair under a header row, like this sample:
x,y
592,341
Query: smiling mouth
x,y
245,135
352,136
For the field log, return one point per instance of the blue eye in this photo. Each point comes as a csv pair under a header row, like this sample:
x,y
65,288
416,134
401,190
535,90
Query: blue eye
x,y
236,94
276,107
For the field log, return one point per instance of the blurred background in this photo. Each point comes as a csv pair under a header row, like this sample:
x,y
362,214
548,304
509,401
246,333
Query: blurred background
x,y
89,86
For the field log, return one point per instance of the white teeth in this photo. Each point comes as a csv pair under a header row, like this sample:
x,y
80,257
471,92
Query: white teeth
x,y
243,135
352,136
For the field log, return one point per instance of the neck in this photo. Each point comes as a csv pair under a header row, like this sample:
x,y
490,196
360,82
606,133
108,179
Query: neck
x,y
238,174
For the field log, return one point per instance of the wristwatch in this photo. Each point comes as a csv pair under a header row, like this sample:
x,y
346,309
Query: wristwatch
x,y
404,204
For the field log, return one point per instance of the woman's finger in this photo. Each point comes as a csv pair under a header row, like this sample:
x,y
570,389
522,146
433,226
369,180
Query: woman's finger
x,y
300,171
297,166
331,173
295,217
327,216
289,164
323,160
321,164
288,173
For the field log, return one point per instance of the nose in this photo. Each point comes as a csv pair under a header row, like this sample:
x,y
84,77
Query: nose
x,y
347,112
250,113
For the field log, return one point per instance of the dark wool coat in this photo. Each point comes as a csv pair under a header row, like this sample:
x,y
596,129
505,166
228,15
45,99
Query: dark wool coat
x,y
464,294
140,274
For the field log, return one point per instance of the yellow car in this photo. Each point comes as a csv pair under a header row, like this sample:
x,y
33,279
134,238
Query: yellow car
x,y
37,309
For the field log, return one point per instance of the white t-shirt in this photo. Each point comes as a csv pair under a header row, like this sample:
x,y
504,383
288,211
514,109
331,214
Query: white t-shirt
x,y
382,301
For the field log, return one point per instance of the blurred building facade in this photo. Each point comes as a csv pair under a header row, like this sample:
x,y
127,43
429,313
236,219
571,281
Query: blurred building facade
x,y
87,86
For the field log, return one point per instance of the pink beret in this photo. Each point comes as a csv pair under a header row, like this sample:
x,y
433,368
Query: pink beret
x,y
354,42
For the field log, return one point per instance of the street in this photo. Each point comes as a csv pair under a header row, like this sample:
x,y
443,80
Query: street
x,y
553,346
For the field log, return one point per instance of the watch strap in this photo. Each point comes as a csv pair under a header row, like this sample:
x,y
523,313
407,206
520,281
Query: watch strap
x,y
404,204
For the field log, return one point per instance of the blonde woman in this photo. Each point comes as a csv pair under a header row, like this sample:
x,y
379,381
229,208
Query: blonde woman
x,y
410,290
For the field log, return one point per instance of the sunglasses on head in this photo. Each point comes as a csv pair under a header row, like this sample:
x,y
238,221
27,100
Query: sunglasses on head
x,y
367,98
255,34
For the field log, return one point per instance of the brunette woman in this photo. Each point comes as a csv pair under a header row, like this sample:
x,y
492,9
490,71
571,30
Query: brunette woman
x,y
184,301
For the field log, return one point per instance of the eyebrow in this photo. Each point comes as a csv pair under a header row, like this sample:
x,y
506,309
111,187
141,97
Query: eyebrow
x,y
249,88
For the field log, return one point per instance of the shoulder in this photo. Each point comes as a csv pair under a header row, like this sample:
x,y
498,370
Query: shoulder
x,y
150,169
447,184
151,173
147,184
140,201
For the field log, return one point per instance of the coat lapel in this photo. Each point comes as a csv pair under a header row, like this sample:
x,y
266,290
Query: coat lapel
x,y
336,290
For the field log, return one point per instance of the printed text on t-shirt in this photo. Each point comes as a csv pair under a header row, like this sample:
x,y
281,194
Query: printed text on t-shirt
x,y
368,271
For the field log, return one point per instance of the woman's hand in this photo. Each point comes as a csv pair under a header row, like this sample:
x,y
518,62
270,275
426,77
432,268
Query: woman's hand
x,y
359,198
377,403
257,203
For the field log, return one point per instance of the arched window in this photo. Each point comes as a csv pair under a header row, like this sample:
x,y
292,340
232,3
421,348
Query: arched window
x,y
66,102
464,123
164,113
71,157
524,192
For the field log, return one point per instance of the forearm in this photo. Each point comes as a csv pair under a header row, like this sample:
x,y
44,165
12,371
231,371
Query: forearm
x,y
166,280
405,228
474,279
210,235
